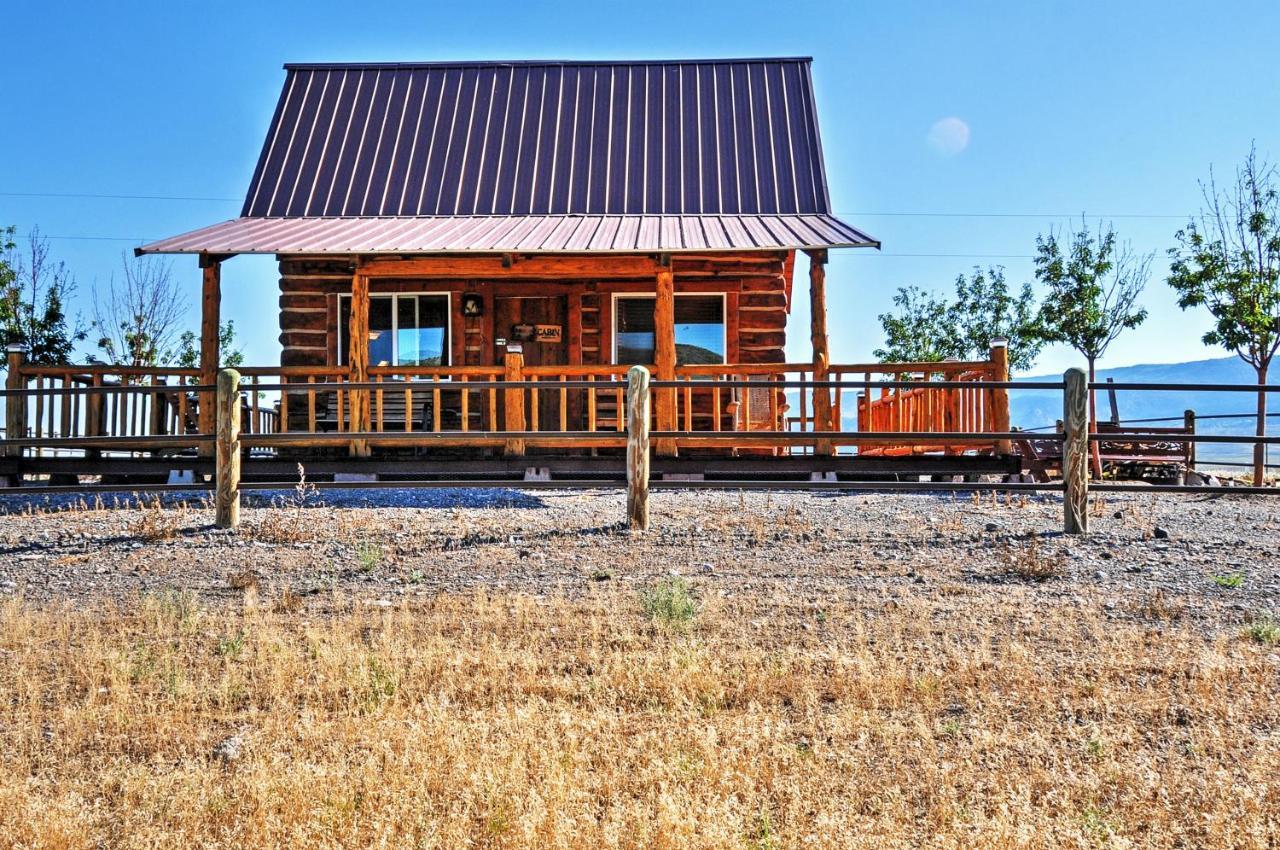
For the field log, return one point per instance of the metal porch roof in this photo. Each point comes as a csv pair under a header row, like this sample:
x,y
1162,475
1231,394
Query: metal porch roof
x,y
537,157
517,234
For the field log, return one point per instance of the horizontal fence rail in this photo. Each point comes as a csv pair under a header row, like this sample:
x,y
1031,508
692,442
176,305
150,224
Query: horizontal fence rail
x,y
946,410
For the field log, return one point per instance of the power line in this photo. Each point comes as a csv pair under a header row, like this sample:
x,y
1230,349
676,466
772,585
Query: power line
x,y
91,238
869,214
948,256
1011,215
116,197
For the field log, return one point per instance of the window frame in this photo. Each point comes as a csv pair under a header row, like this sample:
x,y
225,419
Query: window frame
x,y
395,326
618,296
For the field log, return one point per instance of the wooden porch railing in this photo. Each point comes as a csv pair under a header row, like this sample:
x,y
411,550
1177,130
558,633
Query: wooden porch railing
x,y
578,407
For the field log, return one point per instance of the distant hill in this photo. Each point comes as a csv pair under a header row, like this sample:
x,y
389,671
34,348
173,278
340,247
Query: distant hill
x,y
1039,408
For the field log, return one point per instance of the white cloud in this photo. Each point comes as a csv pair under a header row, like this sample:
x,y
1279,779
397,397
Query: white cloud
x,y
949,136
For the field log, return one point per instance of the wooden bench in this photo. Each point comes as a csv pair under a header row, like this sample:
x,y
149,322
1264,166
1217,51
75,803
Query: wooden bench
x,y
1118,452
405,406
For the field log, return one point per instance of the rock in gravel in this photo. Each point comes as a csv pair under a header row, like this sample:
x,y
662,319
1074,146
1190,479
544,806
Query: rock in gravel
x,y
994,526
229,749
1160,533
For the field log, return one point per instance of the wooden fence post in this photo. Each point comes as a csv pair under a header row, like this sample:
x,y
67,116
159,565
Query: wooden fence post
x,y
1075,451
513,401
227,494
638,448
1189,425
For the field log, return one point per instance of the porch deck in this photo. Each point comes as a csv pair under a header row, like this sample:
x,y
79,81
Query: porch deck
x,y
126,424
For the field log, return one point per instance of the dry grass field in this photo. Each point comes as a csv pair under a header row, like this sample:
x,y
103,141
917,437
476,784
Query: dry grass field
x,y
627,717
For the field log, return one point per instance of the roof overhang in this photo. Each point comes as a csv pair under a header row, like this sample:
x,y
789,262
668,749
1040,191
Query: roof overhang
x,y
541,234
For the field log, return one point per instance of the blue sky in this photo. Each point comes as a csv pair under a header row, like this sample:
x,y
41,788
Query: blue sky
x,y
1112,109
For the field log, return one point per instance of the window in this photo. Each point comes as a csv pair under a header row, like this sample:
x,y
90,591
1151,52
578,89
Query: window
x,y
700,334
404,330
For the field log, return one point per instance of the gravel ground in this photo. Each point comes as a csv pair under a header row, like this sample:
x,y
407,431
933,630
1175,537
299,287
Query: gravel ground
x,y
1211,560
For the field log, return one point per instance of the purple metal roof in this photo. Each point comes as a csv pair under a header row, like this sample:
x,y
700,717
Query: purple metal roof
x,y
723,137
536,233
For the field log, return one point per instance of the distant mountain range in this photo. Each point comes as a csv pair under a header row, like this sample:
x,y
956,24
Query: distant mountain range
x,y
1039,408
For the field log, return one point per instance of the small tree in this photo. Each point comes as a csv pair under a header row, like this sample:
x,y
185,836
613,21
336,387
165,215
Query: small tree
x,y
918,331
1092,293
231,356
927,328
138,317
1229,261
33,292
984,310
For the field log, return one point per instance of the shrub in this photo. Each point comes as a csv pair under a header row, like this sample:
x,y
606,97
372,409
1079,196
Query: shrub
x,y
669,602
370,556
1264,630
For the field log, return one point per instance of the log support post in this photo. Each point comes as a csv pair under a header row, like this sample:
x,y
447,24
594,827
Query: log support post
x,y
513,402
1075,451
358,363
15,406
210,322
227,484
822,418
1000,397
638,448
664,356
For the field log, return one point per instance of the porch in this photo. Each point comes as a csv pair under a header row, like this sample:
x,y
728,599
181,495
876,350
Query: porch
x,y
71,424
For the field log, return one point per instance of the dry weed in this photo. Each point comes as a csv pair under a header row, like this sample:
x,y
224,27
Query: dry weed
x,y
156,523
1029,562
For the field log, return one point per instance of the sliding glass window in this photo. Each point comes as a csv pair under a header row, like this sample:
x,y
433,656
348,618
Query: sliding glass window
x,y
700,329
408,329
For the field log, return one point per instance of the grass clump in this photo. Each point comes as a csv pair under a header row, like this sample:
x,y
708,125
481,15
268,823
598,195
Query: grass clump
x,y
669,602
1230,581
1264,630
370,556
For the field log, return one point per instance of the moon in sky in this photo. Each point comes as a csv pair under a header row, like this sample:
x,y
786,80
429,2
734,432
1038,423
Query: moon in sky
x,y
949,136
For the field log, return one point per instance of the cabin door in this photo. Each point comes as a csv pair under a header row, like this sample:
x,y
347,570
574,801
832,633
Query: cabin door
x,y
537,325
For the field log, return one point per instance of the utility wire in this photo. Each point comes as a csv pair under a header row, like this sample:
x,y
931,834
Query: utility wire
x,y
1009,215
115,197
904,214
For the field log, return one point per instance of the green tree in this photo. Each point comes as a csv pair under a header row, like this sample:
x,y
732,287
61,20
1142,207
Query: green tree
x,y
918,330
984,310
33,293
1228,260
926,328
231,356
1092,286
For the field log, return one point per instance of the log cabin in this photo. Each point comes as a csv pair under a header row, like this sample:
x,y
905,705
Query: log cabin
x,y
448,231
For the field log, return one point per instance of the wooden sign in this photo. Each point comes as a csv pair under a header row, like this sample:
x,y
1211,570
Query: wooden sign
x,y
546,333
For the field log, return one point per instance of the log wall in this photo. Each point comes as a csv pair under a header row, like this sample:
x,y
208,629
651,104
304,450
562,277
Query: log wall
x,y
757,290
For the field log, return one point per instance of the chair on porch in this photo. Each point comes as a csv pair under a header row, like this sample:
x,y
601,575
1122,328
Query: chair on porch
x,y
402,408
759,409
